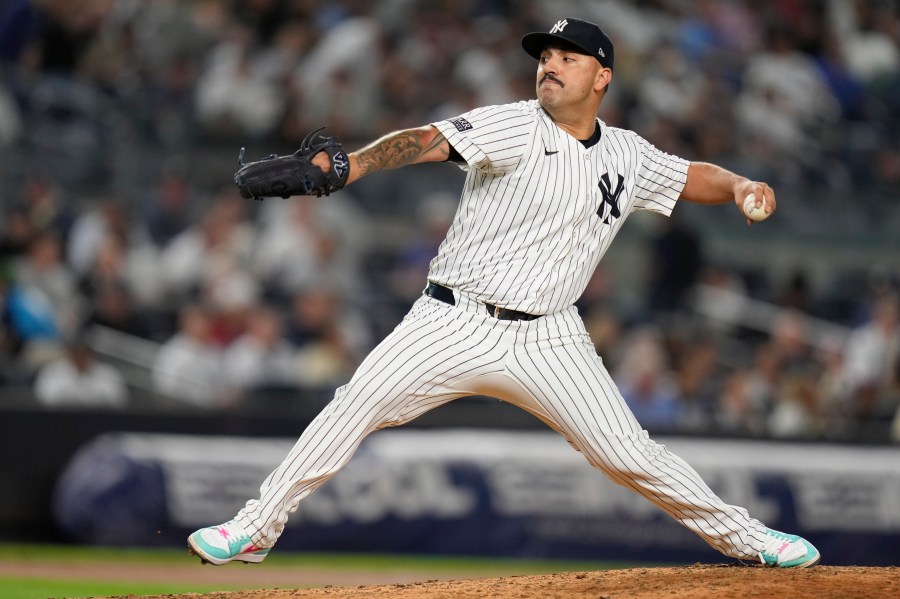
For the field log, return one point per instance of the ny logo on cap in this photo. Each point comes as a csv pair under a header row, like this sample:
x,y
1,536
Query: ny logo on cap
x,y
560,25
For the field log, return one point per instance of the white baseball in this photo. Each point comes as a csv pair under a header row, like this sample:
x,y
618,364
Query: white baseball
x,y
752,212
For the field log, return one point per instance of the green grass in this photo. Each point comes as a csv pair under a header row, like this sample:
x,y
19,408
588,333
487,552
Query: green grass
x,y
33,588
37,552
18,587
366,561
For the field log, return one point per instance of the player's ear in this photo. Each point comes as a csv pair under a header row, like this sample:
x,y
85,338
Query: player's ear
x,y
603,78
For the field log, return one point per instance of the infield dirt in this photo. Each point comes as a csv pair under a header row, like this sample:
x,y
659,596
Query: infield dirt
x,y
694,582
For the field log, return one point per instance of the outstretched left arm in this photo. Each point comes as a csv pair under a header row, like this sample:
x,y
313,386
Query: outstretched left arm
x,y
400,148
711,184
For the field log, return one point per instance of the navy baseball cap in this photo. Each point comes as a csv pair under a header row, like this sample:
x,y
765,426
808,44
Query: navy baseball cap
x,y
584,35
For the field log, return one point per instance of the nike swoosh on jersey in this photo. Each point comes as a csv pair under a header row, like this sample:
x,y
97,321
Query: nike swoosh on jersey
x,y
550,152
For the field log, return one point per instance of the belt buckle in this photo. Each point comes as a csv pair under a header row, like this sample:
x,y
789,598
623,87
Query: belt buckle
x,y
497,310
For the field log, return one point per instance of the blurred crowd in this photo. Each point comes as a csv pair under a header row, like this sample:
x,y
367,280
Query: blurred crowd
x,y
114,116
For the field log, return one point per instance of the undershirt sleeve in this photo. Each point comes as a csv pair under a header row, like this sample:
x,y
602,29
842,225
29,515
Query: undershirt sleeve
x,y
455,156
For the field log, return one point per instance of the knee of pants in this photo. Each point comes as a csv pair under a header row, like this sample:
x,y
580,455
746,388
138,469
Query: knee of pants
x,y
632,454
374,410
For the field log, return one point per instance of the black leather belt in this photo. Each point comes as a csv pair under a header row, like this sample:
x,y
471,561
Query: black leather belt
x,y
444,294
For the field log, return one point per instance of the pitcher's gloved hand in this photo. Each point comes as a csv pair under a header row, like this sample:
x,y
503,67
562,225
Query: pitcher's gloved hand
x,y
295,174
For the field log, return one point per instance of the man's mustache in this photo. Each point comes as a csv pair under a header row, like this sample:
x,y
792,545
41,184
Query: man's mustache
x,y
552,78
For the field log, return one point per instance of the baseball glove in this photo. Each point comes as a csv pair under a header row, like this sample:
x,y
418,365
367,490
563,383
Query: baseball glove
x,y
295,174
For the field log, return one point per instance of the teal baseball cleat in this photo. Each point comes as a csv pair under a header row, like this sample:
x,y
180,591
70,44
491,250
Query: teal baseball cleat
x,y
225,543
788,551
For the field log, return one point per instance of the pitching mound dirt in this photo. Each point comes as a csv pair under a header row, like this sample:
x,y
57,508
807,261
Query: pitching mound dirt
x,y
694,582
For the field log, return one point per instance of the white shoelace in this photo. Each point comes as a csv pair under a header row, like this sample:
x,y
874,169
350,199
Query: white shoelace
x,y
775,544
235,531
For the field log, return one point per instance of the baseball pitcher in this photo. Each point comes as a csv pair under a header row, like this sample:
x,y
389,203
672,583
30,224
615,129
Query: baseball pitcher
x,y
548,186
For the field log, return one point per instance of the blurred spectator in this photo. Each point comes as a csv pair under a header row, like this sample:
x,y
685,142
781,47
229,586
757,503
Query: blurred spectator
x,y
167,213
843,83
481,67
837,424
646,382
297,250
789,341
697,34
133,267
18,26
671,86
90,229
188,367
329,336
15,235
698,385
220,242
337,82
113,306
605,329
261,357
265,16
763,379
240,91
155,80
434,215
52,33
797,294
307,240
868,34
45,204
107,248
231,296
78,380
871,354
676,264
785,99
599,295
736,413
797,410
719,295
45,303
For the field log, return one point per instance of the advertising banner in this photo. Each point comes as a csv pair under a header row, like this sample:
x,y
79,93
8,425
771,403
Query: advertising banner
x,y
477,492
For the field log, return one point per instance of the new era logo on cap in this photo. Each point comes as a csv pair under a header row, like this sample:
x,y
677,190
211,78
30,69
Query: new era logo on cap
x,y
584,35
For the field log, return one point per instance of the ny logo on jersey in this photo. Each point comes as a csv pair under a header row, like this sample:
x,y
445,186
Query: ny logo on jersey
x,y
610,197
560,25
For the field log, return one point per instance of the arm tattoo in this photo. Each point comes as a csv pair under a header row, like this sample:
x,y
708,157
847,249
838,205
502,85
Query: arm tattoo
x,y
398,149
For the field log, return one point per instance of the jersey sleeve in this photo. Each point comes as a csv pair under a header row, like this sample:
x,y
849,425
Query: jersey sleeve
x,y
492,138
660,179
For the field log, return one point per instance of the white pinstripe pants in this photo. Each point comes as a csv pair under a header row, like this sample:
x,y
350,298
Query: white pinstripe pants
x,y
547,366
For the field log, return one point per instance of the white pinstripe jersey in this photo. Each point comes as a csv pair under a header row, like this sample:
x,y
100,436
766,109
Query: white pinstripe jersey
x,y
538,209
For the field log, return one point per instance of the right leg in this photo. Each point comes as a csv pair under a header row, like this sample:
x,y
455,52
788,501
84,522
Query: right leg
x,y
422,364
